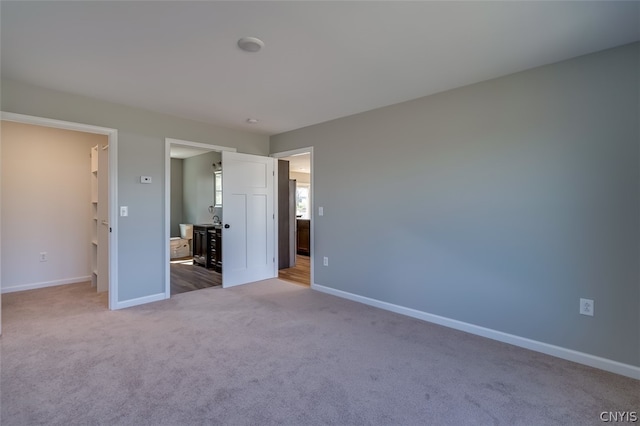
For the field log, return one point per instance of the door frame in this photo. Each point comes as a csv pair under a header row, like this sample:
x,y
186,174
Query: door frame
x,y
167,199
112,136
289,153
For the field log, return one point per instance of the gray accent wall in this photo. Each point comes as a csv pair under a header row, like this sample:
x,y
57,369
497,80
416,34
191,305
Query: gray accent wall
x,y
141,151
142,230
199,188
499,204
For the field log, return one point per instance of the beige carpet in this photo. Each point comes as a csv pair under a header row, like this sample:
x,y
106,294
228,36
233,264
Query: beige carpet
x,y
275,353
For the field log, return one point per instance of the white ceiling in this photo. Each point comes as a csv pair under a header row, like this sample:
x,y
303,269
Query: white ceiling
x,y
300,163
184,151
322,60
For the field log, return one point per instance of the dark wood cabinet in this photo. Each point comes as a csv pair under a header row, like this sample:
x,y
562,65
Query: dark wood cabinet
x,y
207,246
215,247
304,237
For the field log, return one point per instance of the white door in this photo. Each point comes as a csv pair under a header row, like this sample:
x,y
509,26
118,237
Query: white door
x,y
248,217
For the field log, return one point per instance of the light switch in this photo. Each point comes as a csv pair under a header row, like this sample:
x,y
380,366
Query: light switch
x,y
124,211
145,179
320,211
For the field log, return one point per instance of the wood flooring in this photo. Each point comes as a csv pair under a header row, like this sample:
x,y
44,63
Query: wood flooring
x,y
299,274
185,276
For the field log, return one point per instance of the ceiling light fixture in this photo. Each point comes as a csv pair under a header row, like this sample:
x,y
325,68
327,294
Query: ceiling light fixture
x,y
252,120
250,44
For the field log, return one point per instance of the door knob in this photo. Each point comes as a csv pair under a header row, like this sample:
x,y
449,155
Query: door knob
x,y
226,225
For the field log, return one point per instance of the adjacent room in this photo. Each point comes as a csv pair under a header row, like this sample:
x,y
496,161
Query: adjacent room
x,y
196,211
294,197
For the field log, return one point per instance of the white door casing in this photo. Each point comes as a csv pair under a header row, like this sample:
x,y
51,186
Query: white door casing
x,y
248,215
103,219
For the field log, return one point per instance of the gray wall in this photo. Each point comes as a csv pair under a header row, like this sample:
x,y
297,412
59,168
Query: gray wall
x,y
198,188
141,136
498,204
177,199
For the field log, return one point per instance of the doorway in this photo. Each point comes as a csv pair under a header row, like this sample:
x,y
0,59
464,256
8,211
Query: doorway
x,y
193,209
101,221
248,192
248,195
300,250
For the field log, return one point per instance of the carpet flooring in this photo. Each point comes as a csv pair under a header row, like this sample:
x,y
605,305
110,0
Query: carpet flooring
x,y
275,353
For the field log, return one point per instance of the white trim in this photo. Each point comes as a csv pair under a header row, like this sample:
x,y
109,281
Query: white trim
x,y
112,135
0,240
312,214
33,286
276,224
50,122
113,220
545,348
167,199
140,301
167,219
274,212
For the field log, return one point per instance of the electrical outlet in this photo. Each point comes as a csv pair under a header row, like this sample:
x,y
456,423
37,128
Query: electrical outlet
x,y
325,261
43,256
586,307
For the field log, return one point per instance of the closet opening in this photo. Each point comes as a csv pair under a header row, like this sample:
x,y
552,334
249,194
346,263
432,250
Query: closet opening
x,y
58,191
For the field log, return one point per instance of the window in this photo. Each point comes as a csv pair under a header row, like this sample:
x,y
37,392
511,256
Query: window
x,y
217,188
302,201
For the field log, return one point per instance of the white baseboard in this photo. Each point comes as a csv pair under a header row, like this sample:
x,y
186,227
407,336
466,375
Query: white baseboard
x,y
139,301
33,286
557,351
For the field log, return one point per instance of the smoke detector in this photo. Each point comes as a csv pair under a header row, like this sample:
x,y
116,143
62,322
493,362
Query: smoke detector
x,y
250,44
